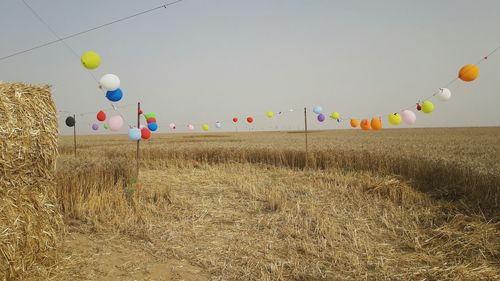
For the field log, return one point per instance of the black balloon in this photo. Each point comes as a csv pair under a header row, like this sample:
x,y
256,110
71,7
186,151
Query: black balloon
x,y
70,121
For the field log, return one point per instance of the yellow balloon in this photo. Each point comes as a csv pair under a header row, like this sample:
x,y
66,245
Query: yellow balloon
x,y
270,114
394,119
205,127
335,116
427,106
90,60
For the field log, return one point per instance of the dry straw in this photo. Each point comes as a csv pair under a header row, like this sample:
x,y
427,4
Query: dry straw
x,y
30,222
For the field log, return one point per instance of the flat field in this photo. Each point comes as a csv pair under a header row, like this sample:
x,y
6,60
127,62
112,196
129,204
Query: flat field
x,y
402,204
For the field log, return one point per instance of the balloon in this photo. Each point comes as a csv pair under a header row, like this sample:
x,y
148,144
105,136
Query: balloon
x,y
205,127
321,117
335,116
139,111
270,114
101,116
376,123
419,107
468,72
105,126
249,120
95,127
151,120
110,82
90,60
443,94
365,125
172,126
134,134
115,123
218,125
145,133
150,115
408,117
394,119
317,109
427,107
152,127
235,120
70,121
354,123
190,127
115,95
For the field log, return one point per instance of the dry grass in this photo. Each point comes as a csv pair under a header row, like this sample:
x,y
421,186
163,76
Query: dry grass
x,y
30,225
242,206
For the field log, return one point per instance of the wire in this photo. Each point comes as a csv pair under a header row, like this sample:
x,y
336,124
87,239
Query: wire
x,y
88,30
55,34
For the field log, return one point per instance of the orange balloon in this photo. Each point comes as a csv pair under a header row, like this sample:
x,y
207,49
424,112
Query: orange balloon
x,y
376,124
365,125
468,72
354,123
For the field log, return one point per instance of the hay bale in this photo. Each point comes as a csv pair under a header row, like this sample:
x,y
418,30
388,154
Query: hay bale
x,y
30,222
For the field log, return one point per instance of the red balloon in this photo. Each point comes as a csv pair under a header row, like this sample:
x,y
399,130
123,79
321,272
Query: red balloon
x,y
145,133
101,116
151,120
249,119
139,111
235,120
419,107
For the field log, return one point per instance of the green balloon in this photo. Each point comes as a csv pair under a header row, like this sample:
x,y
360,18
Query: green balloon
x,y
427,107
150,115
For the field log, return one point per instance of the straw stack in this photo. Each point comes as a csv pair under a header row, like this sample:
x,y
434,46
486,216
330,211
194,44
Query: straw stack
x,y
30,222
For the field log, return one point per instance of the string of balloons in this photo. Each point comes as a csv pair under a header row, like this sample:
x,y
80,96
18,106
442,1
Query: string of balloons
x,y
467,73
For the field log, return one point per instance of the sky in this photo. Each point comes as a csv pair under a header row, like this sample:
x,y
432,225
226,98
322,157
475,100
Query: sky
x,y
202,61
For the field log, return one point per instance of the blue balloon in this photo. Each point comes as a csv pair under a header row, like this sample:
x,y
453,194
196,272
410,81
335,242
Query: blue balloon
x,y
115,95
317,109
152,127
134,134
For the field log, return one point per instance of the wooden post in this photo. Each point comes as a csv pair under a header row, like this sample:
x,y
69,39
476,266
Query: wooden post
x,y
74,133
138,142
305,133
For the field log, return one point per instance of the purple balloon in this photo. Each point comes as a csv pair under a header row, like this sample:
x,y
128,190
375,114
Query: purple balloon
x,y
321,117
95,127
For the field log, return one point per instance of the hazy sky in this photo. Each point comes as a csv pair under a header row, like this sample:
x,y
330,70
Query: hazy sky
x,y
207,60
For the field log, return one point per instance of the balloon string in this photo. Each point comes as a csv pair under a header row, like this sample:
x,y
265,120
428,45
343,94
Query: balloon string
x,y
445,86
64,42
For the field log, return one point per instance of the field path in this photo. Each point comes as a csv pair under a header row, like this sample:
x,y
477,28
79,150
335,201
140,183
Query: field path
x,y
117,257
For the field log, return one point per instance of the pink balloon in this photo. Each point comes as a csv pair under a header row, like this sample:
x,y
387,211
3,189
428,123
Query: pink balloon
x,y
172,126
408,117
191,127
115,123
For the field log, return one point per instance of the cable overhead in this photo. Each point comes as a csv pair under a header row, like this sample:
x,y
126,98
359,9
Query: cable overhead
x,y
88,30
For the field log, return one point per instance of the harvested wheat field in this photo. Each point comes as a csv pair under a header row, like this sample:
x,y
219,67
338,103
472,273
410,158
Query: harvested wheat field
x,y
253,206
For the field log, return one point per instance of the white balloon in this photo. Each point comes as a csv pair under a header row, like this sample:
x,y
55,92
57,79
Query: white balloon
x,y
409,117
444,94
110,82
191,127
218,125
